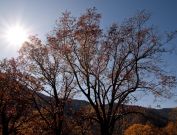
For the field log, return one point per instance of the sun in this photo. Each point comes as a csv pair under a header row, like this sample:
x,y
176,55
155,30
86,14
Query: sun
x,y
16,35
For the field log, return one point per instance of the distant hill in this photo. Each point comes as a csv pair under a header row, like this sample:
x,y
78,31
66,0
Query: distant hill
x,y
158,117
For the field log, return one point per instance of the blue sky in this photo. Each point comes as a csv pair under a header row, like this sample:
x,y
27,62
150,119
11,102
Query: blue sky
x,y
40,17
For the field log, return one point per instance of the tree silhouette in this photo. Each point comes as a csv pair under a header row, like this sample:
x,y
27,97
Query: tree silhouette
x,y
15,100
45,72
108,68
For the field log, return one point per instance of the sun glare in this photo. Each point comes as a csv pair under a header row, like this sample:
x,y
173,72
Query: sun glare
x,y
16,35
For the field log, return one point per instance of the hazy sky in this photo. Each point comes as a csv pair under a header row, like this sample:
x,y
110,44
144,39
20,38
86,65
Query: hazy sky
x,y
40,15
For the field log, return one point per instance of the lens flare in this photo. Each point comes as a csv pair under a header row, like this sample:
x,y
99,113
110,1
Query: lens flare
x,y
16,35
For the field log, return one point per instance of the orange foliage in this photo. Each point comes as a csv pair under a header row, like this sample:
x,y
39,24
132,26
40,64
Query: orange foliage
x,y
138,129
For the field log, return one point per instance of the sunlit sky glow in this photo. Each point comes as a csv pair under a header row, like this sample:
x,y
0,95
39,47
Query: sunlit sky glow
x,y
31,17
15,35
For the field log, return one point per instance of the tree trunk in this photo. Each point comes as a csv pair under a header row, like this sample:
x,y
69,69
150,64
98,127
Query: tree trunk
x,y
5,129
59,126
57,131
105,130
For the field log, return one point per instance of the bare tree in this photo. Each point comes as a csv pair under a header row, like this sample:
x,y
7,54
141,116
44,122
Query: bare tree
x,y
45,72
110,67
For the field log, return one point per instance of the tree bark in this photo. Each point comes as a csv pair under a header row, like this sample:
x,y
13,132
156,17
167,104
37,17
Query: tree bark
x,y
105,130
59,128
57,131
5,129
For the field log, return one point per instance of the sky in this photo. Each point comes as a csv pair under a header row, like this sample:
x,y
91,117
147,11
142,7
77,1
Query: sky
x,y
39,16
